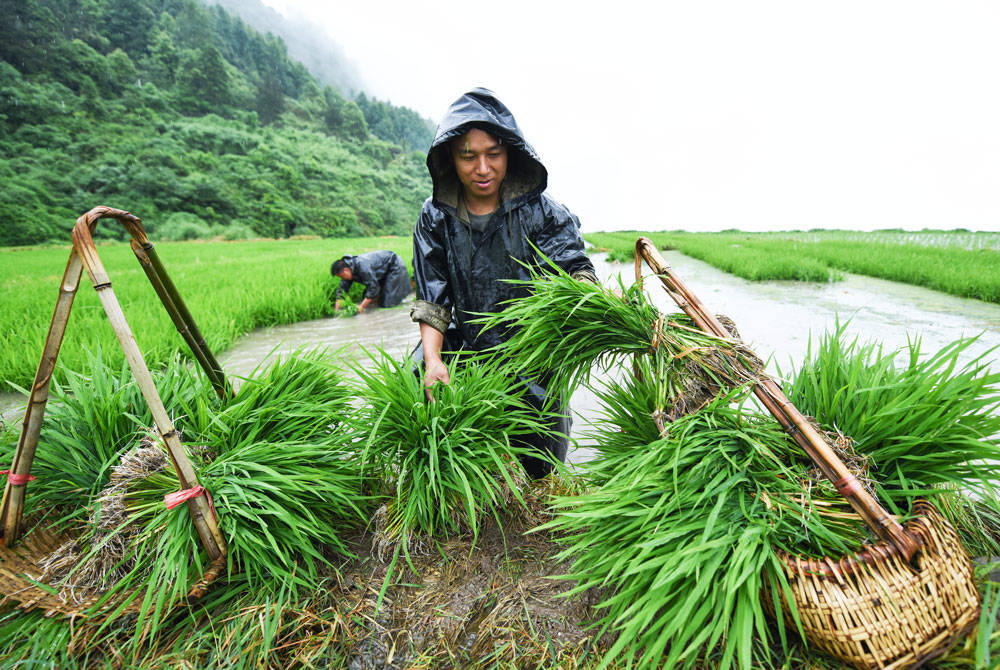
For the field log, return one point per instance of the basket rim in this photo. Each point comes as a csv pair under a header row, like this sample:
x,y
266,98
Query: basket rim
x,y
869,555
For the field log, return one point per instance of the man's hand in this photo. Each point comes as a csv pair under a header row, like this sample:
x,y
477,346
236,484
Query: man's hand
x,y
336,305
364,303
434,371
434,368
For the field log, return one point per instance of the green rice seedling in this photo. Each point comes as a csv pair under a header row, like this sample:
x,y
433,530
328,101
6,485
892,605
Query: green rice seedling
x,y
959,264
567,329
297,398
683,531
347,307
928,423
91,420
282,464
222,283
448,462
284,509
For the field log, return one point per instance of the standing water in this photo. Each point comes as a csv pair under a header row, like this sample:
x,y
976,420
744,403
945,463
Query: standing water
x,y
776,319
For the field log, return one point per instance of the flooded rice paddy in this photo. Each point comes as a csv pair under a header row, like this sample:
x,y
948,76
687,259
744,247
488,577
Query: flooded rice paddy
x,y
775,318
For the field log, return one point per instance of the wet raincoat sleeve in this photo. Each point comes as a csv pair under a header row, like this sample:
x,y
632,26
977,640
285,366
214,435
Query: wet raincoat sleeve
x,y
434,295
560,240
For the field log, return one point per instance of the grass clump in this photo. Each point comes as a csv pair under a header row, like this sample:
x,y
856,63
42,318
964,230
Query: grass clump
x,y
448,462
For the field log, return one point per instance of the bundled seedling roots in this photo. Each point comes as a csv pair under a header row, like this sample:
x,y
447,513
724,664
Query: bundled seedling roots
x,y
105,555
724,362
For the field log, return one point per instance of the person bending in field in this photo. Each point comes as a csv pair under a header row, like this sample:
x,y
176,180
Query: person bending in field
x,y
488,214
382,272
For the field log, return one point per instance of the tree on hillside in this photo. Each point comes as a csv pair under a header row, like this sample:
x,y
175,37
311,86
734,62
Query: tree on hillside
x,y
162,61
353,124
202,80
129,25
270,99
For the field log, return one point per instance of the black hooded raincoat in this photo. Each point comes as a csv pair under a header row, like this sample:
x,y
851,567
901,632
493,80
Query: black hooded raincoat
x,y
382,272
458,270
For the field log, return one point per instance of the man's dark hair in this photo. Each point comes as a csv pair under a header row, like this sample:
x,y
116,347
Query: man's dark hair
x,y
338,266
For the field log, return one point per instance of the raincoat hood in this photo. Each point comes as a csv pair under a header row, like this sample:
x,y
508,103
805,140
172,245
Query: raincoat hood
x,y
480,108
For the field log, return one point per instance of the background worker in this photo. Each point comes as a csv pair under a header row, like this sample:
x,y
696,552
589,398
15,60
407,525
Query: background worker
x,y
382,272
488,213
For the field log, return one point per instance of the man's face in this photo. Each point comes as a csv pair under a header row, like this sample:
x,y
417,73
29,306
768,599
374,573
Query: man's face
x,y
346,274
481,164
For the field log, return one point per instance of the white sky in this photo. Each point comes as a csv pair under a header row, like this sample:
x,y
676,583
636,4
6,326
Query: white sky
x,y
715,114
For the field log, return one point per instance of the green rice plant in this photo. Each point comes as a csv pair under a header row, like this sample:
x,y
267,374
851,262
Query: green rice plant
x,y
962,264
567,328
683,533
91,419
233,625
280,460
284,509
296,398
230,287
929,424
447,462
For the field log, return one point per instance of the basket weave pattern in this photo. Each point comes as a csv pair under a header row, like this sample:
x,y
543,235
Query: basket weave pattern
x,y
878,611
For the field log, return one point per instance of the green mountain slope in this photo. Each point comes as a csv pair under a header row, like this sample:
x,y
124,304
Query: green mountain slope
x,y
192,120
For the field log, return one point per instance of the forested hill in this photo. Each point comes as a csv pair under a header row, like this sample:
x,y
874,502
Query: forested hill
x,y
194,121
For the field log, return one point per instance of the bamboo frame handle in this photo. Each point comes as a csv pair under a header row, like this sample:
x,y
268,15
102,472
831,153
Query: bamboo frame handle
x,y
774,399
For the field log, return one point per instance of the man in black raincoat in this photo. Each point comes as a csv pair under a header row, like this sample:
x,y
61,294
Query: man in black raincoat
x,y
382,272
488,214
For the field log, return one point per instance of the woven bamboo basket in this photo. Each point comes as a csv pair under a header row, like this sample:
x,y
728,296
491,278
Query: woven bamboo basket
x,y
876,610
895,604
20,557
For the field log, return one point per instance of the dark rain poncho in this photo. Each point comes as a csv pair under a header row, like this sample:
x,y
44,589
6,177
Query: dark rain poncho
x,y
382,272
458,270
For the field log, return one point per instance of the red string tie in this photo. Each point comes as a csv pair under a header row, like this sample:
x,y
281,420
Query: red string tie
x,y
174,499
848,486
16,479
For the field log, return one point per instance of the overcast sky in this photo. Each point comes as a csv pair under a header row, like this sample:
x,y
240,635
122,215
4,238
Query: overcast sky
x,y
711,115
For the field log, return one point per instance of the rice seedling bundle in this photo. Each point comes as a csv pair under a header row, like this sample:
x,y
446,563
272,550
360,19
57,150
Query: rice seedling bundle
x,y
450,461
687,524
566,329
93,418
279,460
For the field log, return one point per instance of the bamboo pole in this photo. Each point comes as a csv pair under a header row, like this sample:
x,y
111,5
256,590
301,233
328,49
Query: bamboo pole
x,y
181,317
12,505
774,399
205,520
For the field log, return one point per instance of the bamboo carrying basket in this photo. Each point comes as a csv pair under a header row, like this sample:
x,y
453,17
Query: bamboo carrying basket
x,y
895,604
18,560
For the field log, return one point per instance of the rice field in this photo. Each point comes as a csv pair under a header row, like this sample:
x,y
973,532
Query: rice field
x,y
961,263
230,287
656,554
